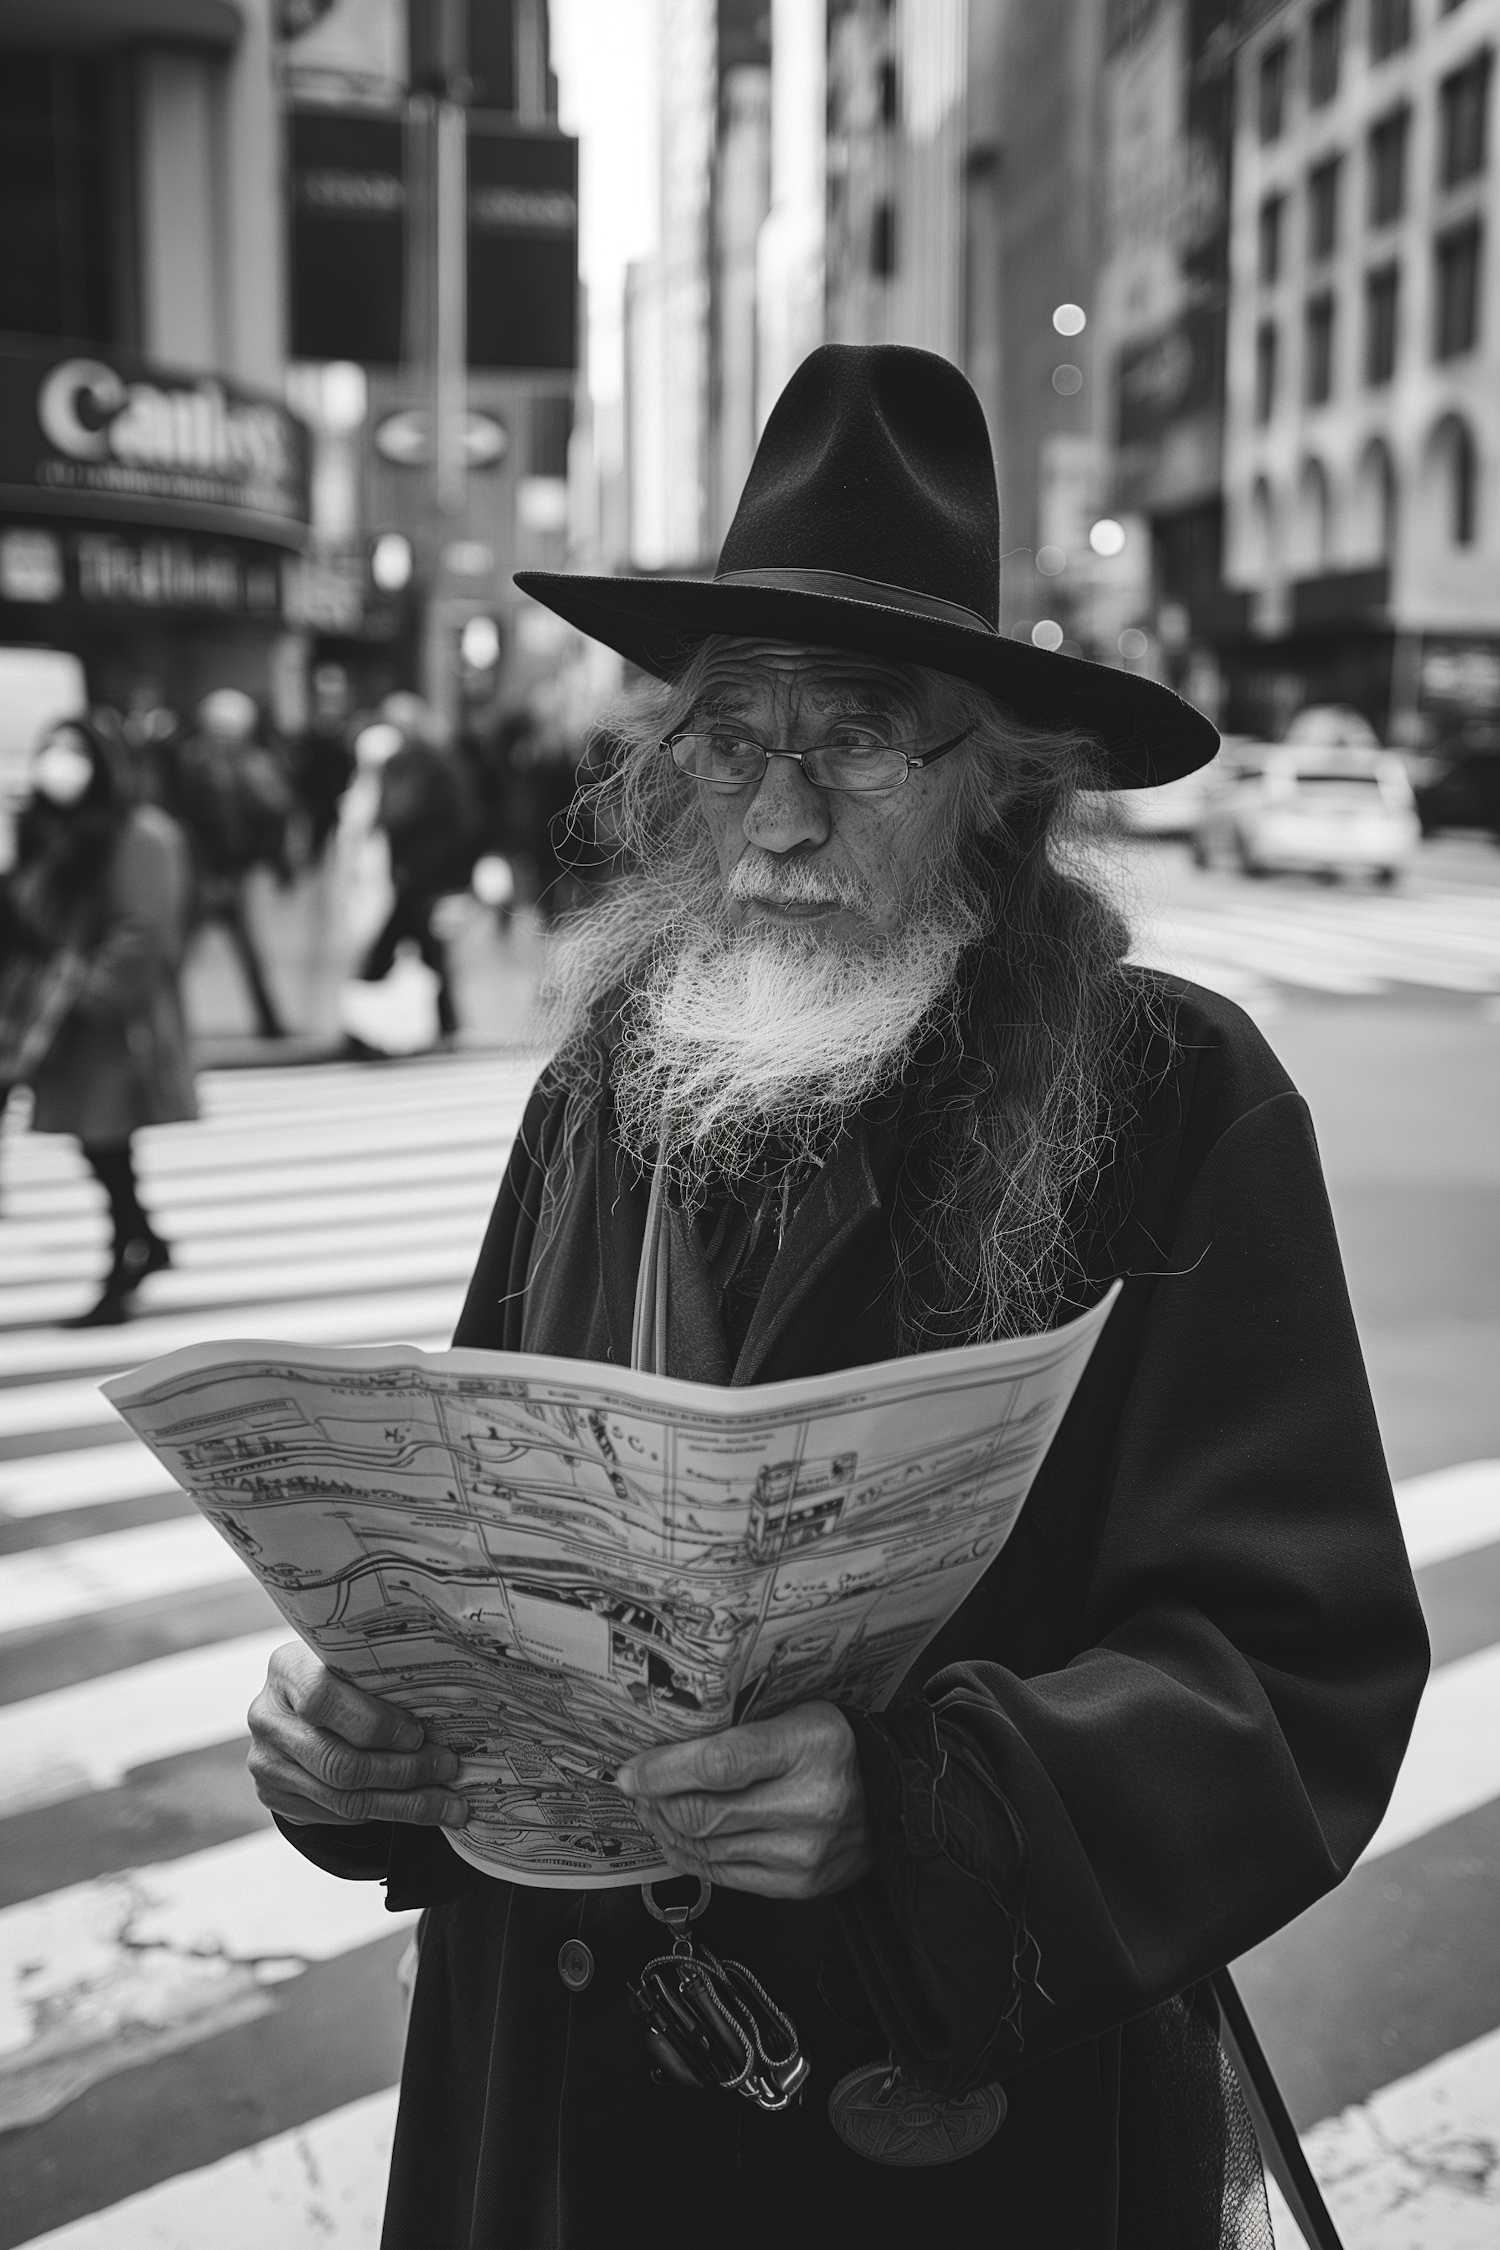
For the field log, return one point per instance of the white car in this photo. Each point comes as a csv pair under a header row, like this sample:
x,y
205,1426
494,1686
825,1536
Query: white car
x,y
1175,807
1323,810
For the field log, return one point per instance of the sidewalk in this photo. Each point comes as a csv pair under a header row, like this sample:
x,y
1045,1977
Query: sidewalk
x,y
307,957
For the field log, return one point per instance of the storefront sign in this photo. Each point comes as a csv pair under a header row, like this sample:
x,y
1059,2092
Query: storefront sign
x,y
353,201
1465,676
93,571
85,433
1169,376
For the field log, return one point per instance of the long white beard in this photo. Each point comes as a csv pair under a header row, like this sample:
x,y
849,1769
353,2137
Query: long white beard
x,y
733,1039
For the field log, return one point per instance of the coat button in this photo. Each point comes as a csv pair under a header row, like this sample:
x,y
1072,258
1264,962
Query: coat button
x,y
575,1965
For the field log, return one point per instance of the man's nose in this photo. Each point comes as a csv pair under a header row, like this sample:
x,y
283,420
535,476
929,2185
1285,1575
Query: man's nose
x,y
786,809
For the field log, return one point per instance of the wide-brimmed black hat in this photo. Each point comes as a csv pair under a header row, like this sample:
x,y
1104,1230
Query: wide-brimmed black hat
x,y
870,521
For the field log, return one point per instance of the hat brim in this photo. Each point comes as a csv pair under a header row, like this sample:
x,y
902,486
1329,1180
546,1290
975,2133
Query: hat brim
x,y
1147,734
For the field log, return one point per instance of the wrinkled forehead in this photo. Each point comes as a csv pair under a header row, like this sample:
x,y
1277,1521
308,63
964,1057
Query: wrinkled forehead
x,y
777,677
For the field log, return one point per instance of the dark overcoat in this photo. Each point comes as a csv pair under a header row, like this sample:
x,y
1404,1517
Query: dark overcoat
x,y
1165,1721
120,1060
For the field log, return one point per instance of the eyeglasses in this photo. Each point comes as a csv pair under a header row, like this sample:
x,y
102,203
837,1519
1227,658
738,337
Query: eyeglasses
x,y
852,761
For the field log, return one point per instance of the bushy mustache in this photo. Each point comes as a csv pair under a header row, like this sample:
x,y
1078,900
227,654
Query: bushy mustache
x,y
759,878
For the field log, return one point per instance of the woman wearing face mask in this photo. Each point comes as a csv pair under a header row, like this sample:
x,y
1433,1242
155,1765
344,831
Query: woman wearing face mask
x,y
100,892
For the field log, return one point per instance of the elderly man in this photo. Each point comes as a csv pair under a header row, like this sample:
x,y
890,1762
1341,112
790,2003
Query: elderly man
x,y
848,1065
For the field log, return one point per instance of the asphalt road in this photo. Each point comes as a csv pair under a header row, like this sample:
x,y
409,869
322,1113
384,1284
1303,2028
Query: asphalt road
x,y
198,2036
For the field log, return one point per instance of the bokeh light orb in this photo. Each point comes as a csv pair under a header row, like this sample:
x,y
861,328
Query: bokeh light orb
x,y
1046,633
1070,320
1107,537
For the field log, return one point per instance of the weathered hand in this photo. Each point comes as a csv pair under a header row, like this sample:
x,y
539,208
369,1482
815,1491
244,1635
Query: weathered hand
x,y
321,1751
776,1806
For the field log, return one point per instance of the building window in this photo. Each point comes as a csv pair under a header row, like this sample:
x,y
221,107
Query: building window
x,y
1323,208
1265,370
1463,105
1270,237
1313,519
1318,349
1325,40
1373,529
1390,27
889,92
1387,166
1382,296
1453,456
60,270
1272,106
1456,307
883,242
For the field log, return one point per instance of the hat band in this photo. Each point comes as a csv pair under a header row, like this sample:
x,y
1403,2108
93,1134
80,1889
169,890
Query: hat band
x,y
845,588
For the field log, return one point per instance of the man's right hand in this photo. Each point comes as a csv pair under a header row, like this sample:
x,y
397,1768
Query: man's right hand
x,y
322,1752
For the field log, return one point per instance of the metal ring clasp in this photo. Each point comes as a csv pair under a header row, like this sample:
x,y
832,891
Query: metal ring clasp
x,y
677,1918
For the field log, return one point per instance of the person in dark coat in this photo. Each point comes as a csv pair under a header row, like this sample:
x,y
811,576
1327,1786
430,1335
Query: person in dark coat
x,y
428,811
857,1039
102,889
232,795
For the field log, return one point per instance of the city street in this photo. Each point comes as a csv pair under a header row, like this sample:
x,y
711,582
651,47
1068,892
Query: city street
x,y
199,2034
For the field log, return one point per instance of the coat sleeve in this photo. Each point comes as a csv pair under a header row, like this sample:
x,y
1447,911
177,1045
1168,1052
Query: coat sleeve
x,y
1058,1853
415,1863
144,918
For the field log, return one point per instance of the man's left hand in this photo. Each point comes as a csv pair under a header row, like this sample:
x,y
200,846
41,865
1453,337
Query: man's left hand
x,y
776,1806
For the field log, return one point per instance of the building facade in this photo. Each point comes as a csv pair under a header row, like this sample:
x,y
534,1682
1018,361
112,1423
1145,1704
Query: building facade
x,y
693,311
153,491
1362,447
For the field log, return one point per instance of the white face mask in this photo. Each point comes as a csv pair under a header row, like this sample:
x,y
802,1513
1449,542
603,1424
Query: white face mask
x,y
62,771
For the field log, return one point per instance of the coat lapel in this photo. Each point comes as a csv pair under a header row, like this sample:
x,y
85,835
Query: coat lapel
x,y
841,1198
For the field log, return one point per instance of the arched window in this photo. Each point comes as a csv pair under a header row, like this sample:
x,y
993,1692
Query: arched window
x,y
1260,537
1313,508
1373,531
1462,478
1451,484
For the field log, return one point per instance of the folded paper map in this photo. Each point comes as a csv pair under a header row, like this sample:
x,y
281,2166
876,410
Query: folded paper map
x,y
554,1563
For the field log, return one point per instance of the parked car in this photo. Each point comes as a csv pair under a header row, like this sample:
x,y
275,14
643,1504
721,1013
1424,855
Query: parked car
x,y
1305,809
1332,726
1176,807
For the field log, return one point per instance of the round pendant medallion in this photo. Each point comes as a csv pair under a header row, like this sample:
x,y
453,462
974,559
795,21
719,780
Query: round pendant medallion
x,y
877,2114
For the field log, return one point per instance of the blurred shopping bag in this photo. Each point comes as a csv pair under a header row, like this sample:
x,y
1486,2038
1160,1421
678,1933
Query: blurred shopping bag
x,y
397,1016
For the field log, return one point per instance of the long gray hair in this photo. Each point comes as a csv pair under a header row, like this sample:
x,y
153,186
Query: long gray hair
x,y
1016,1091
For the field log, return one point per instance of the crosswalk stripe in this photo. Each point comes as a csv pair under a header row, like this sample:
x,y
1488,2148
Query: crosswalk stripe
x,y
93,1475
1415,2167
377,1316
1453,1763
435,1254
88,1737
229,1156
1450,1511
318,2187
1446,1513
47,1584
37,1409
1341,953
95,1978
39,1250
393,1173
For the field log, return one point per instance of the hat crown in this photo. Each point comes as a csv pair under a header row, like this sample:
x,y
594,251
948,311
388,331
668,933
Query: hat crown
x,y
875,463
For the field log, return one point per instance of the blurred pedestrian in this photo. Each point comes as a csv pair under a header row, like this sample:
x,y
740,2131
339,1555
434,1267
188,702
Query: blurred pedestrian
x,y
428,813
233,797
323,759
96,916
152,731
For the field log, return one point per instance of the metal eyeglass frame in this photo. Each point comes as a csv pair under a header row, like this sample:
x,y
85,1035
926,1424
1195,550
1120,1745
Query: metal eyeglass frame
x,y
800,757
